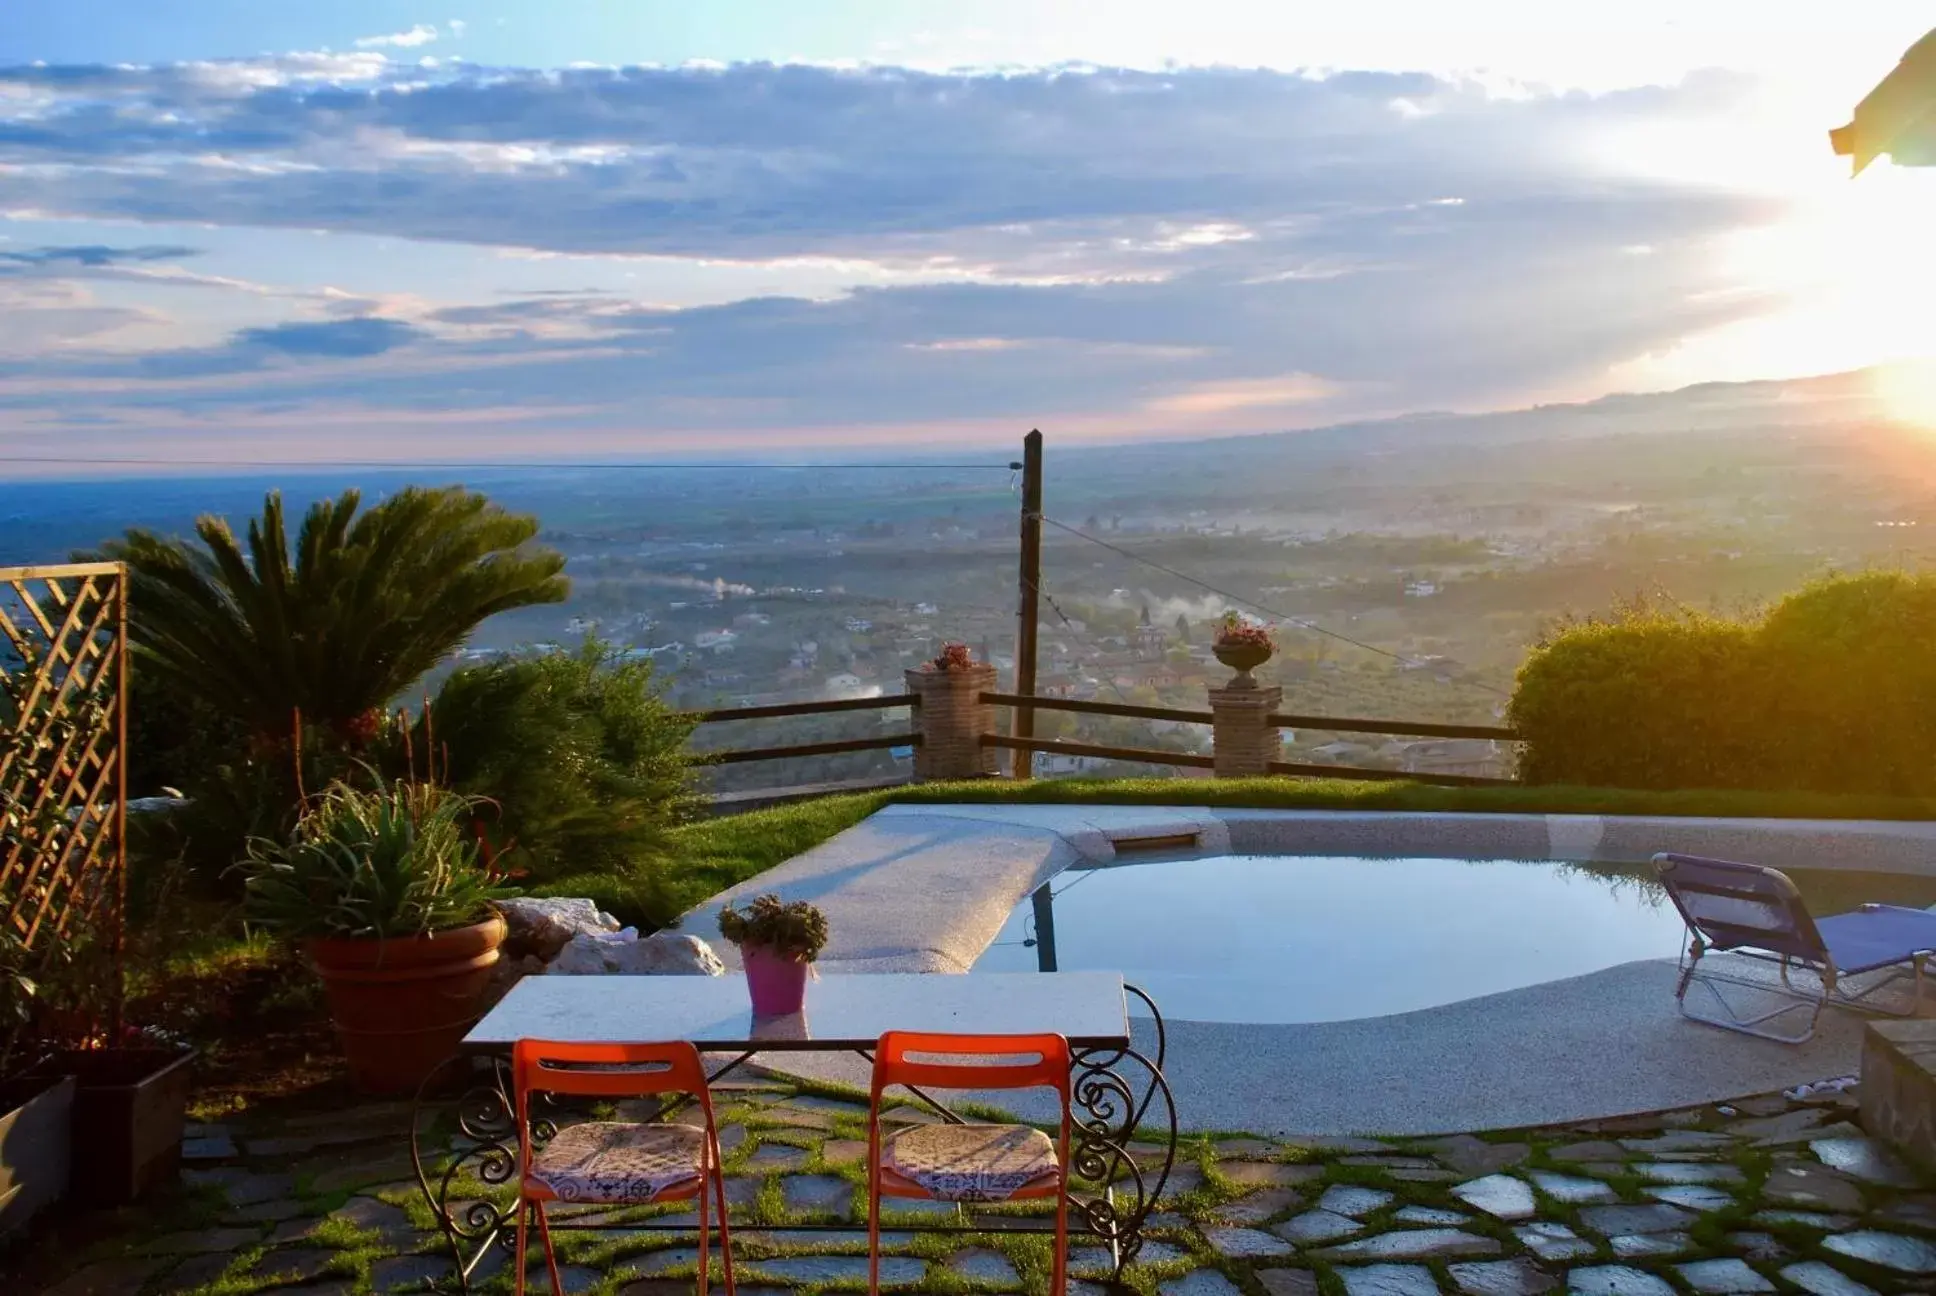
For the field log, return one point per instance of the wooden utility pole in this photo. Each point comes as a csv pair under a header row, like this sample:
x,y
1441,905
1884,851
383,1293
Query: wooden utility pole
x,y
1030,607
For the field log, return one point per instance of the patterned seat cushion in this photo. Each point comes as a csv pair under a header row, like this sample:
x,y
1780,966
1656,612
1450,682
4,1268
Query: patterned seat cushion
x,y
971,1163
610,1161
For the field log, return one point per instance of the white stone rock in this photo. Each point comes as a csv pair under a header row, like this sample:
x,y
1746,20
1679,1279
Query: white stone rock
x,y
670,954
581,913
623,953
544,925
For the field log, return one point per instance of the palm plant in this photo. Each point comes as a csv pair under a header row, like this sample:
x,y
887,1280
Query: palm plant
x,y
332,630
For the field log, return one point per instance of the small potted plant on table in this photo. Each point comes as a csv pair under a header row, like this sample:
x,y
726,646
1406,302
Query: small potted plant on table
x,y
386,893
777,944
1243,645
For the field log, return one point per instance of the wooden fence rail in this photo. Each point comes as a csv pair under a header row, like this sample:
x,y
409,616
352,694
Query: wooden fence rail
x,y
1068,747
1416,728
885,702
740,755
1098,708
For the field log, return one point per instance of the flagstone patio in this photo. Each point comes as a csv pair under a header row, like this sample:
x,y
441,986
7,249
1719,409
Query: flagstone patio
x,y
1766,1195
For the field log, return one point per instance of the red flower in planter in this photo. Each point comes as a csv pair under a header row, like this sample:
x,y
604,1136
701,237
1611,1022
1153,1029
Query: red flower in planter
x,y
1236,630
952,657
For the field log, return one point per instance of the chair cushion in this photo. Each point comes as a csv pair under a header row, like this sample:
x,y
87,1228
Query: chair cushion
x,y
613,1161
970,1162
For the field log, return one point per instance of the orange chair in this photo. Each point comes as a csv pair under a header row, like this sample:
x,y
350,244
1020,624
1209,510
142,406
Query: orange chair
x,y
616,1162
969,1163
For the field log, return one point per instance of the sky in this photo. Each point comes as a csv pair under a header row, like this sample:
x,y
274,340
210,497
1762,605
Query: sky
x,y
390,230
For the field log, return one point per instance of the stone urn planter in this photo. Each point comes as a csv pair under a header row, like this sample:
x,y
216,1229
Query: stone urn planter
x,y
36,1146
1242,657
400,1004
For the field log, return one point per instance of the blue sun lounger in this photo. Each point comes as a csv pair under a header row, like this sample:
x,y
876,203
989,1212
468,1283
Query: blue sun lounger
x,y
1757,913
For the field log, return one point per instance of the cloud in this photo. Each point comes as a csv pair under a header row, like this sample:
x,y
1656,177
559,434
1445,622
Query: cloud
x,y
1118,252
420,34
362,336
1064,173
93,256
1245,393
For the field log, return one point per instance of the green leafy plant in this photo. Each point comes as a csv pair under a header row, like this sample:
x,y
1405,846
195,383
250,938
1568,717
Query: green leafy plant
x,y
19,998
796,931
338,624
401,860
577,757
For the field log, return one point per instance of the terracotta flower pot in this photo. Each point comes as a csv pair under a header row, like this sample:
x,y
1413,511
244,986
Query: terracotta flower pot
x,y
1241,657
400,1004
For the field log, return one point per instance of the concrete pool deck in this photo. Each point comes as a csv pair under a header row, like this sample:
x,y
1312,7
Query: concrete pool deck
x,y
926,888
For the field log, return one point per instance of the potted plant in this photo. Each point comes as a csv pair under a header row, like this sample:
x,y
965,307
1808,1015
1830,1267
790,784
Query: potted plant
x,y
385,891
777,944
35,1127
130,1104
1243,645
131,1084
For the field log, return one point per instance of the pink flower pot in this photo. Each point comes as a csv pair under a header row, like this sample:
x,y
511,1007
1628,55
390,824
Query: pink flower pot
x,y
778,985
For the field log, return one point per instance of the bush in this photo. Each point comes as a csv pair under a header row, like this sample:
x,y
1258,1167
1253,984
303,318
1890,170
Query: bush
x,y
1857,703
1831,691
582,763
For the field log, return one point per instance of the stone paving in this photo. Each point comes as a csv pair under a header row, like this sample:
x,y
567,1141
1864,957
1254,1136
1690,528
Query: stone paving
x,y
1763,1195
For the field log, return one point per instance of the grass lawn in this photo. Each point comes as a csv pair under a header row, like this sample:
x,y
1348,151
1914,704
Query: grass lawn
x,y
707,857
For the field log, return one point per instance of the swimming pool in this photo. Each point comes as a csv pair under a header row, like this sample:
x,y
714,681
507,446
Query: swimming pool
x,y
1276,938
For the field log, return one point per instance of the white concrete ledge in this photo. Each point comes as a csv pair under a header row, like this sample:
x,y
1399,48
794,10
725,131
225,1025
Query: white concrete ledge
x,y
925,888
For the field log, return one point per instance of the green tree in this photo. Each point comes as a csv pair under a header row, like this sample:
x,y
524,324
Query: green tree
x,y
581,763
339,624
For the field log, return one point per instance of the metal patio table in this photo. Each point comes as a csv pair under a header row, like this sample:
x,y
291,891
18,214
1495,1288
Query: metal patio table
x,y
1117,1091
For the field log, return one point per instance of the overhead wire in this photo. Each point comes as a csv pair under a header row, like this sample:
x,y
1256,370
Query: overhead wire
x,y
1114,686
509,465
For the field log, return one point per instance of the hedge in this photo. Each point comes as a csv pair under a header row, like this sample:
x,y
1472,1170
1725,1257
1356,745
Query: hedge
x,y
1832,690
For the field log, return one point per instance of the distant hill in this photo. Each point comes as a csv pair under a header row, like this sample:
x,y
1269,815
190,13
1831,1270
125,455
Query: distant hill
x,y
1819,401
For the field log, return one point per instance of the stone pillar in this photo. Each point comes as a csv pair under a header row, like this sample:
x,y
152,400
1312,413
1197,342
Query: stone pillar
x,y
952,718
1898,1088
1246,741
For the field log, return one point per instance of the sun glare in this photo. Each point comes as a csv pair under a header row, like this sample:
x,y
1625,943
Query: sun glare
x,y
1907,392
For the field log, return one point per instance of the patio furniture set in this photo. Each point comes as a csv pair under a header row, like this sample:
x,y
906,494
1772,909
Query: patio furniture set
x,y
555,1044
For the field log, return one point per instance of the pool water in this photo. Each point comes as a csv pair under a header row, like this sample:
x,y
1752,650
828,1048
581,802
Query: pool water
x,y
1275,938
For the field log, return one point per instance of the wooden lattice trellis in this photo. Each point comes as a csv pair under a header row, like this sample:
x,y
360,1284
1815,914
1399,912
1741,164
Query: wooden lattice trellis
x,y
63,754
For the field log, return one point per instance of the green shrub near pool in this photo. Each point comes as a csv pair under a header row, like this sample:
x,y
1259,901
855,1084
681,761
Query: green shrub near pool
x,y
1832,690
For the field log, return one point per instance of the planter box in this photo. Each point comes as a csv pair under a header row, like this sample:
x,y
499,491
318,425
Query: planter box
x,y
128,1112
36,1154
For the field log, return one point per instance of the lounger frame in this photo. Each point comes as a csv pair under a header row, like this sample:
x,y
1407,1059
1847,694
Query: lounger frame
x,y
1700,887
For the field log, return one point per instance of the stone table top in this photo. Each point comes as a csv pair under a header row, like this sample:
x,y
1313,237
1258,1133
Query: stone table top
x,y
843,1012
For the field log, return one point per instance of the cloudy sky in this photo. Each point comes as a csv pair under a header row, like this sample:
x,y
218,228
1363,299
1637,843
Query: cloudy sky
x,y
381,229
